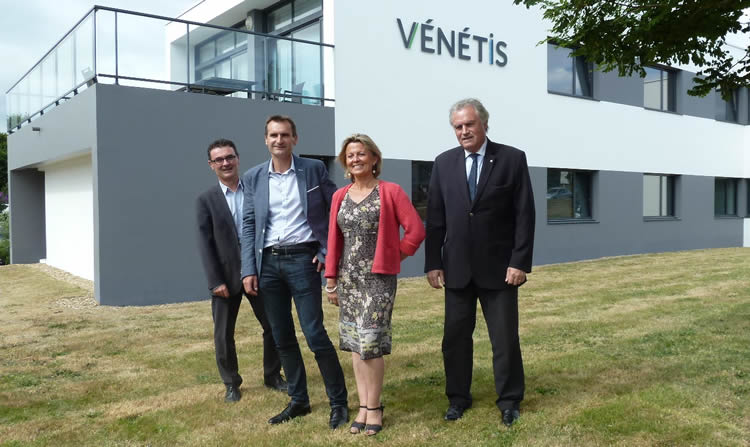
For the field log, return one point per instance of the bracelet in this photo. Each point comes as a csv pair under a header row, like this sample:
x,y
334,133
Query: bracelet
x,y
333,289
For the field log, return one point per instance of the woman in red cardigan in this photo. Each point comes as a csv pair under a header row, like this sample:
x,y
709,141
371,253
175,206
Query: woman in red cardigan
x,y
364,257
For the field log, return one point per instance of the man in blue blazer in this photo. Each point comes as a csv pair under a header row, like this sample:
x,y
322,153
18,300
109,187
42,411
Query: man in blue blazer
x,y
480,240
219,216
284,238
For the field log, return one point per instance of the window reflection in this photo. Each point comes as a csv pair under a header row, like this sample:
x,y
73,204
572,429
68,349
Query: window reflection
x,y
568,194
568,74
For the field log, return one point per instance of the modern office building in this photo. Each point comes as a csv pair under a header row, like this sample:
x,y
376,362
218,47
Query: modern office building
x,y
109,130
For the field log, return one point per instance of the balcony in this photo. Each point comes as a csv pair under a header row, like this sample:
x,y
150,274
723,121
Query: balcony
x,y
116,46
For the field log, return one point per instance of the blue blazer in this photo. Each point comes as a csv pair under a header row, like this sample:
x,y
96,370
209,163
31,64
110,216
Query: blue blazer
x,y
315,192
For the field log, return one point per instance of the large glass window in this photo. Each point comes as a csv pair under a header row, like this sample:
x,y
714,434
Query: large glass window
x,y
292,14
222,56
725,197
727,110
658,195
568,194
568,74
659,89
420,184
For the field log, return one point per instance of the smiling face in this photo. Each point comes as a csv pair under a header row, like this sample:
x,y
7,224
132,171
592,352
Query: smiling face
x,y
225,163
279,139
470,130
360,161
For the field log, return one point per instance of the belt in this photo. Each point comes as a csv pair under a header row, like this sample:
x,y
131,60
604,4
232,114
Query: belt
x,y
305,247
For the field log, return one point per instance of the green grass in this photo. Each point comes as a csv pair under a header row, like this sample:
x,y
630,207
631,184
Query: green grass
x,y
639,350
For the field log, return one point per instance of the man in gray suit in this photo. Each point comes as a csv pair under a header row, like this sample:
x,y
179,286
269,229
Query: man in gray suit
x,y
284,237
219,215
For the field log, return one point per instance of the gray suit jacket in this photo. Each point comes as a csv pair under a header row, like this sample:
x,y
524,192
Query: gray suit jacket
x,y
315,192
218,241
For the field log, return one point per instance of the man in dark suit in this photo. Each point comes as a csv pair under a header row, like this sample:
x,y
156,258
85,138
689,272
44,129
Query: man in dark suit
x,y
284,238
219,213
480,238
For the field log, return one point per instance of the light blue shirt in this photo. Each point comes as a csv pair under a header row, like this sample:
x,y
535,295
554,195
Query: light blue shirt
x,y
235,199
287,224
480,160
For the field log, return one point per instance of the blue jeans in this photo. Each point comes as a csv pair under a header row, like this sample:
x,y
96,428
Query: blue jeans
x,y
287,276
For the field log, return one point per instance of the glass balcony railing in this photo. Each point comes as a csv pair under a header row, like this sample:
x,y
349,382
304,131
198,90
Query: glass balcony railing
x,y
122,47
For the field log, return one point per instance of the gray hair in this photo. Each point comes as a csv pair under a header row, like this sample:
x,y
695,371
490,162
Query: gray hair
x,y
484,115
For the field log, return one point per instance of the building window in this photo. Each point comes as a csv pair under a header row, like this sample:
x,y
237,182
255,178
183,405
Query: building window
x,y
420,184
725,197
295,68
727,110
571,75
659,89
568,194
658,195
223,56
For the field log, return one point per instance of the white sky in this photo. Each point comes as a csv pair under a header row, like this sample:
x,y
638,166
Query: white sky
x,y
29,28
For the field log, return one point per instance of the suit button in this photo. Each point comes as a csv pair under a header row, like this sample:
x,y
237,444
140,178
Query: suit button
x,y
471,214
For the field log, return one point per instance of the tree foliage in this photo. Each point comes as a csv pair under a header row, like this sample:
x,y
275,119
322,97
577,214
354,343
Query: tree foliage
x,y
626,35
4,163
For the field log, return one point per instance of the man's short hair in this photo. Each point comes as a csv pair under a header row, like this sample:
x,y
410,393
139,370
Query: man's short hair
x,y
280,119
222,142
484,115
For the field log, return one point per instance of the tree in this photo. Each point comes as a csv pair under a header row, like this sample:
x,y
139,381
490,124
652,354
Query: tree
x,y
3,163
627,35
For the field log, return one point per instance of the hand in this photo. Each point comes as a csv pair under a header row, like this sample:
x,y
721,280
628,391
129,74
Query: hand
x,y
251,285
221,291
403,256
333,297
321,266
515,277
436,278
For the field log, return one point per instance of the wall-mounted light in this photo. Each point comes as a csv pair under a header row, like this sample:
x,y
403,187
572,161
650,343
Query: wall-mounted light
x,y
36,129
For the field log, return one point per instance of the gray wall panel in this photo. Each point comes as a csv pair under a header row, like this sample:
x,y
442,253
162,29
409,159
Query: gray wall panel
x,y
27,227
66,131
151,162
620,228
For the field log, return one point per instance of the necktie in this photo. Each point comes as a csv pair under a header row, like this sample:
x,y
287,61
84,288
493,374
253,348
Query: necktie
x,y
473,176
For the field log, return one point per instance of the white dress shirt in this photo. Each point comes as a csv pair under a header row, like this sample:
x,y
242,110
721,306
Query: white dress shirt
x,y
287,224
235,200
480,160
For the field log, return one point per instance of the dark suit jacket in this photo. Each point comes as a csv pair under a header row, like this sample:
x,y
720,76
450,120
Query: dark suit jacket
x,y
478,240
218,241
315,192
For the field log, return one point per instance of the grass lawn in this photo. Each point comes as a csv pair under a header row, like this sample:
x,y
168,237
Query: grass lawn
x,y
638,350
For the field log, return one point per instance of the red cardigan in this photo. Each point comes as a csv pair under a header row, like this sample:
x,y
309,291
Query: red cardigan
x,y
395,209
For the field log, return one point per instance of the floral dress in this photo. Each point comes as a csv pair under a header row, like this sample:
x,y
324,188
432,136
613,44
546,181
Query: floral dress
x,y
365,298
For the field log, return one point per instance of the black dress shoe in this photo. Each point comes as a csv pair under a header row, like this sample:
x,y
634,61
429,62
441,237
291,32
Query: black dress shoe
x,y
233,394
510,416
339,417
276,383
290,412
454,413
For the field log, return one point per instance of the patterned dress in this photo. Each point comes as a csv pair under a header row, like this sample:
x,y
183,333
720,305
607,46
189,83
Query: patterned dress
x,y
365,298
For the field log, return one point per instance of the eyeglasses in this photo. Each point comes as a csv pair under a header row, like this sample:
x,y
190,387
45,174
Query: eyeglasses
x,y
220,160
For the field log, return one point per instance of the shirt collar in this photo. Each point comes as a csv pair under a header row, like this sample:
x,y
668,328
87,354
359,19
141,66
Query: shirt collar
x,y
225,188
482,150
271,171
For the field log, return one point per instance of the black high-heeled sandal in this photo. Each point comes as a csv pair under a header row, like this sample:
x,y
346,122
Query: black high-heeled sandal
x,y
374,428
356,425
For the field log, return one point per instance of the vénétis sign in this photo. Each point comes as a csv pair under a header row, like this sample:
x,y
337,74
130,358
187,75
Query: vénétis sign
x,y
462,44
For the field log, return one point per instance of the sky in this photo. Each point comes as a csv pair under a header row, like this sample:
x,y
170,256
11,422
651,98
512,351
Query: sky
x,y
29,28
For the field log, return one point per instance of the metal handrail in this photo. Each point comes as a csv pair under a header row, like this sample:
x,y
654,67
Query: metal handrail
x,y
52,49
92,14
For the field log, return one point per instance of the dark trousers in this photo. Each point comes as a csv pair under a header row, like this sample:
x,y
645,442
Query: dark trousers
x,y
293,276
500,308
225,316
